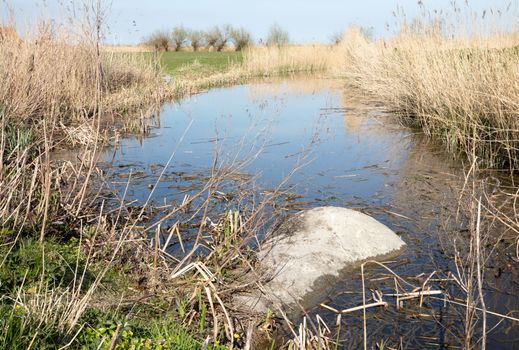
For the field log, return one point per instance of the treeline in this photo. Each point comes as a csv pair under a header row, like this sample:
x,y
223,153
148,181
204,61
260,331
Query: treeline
x,y
217,38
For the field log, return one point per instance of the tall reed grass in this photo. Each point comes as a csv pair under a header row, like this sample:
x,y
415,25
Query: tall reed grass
x,y
274,60
460,89
45,74
51,85
55,85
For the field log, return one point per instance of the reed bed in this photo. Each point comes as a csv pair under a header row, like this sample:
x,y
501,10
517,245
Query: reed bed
x,y
460,89
47,75
274,60
53,87
59,90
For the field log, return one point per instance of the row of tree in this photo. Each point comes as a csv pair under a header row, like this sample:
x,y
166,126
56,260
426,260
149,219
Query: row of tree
x,y
216,38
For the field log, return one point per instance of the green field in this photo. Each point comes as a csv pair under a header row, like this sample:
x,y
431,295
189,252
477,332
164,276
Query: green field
x,y
173,62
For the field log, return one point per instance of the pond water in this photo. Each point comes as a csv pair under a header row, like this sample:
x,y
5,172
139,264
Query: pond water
x,y
327,147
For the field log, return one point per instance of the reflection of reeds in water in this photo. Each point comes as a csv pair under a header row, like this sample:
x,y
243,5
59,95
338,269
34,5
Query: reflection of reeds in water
x,y
295,86
365,117
356,110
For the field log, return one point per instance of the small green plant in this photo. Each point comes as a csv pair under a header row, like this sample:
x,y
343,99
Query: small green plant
x,y
18,140
30,262
202,309
162,333
182,306
18,330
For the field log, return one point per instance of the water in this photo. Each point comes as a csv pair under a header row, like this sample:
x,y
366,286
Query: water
x,y
327,148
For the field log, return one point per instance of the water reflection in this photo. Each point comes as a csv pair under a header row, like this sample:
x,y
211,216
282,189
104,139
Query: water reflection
x,y
291,123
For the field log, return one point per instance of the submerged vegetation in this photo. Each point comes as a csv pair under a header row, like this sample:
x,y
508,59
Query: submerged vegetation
x,y
77,273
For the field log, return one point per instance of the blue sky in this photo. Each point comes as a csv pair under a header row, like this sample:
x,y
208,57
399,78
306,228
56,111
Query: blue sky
x,y
306,20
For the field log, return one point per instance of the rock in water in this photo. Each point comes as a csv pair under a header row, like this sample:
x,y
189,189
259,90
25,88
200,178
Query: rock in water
x,y
314,244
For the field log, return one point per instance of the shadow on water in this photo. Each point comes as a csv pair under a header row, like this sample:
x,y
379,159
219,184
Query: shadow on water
x,y
347,152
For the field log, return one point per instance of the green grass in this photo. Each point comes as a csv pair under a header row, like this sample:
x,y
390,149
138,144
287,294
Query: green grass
x,y
33,270
156,334
20,330
29,261
174,61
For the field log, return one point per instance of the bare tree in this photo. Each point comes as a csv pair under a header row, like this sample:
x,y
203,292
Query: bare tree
x,y
158,40
241,38
336,38
196,38
179,37
212,36
217,37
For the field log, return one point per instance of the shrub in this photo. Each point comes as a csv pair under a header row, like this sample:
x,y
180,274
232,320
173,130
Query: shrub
x,y
178,37
241,38
277,36
158,40
196,38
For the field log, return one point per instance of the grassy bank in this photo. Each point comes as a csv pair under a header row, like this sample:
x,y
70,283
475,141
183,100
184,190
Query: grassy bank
x,y
73,275
76,273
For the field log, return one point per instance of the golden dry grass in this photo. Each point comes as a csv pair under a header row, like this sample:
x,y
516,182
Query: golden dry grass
x,y
272,60
461,90
44,75
126,48
51,89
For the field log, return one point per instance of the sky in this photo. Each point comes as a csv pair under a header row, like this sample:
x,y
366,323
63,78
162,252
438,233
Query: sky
x,y
129,21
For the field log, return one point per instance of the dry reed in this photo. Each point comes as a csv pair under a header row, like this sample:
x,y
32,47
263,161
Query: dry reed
x,y
461,90
275,60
